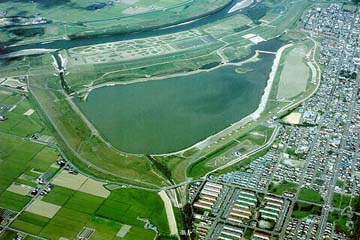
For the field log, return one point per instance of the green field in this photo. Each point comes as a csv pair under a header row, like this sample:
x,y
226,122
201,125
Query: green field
x,y
310,196
341,200
20,162
302,210
254,138
105,216
339,220
18,123
282,187
350,7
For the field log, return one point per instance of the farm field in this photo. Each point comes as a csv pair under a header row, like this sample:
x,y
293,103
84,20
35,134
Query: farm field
x,y
104,216
22,162
22,119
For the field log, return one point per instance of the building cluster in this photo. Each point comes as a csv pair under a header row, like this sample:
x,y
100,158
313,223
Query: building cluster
x,y
208,195
21,21
226,211
243,206
308,228
255,176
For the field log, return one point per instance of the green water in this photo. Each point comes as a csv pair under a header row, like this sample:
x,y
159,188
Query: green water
x,y
175,113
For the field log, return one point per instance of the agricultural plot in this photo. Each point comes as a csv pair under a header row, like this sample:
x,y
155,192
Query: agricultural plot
x,y
43,209
22,120
81,183
21,163
78,212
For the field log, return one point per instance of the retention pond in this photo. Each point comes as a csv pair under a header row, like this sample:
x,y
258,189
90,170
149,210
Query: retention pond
x,y
156,117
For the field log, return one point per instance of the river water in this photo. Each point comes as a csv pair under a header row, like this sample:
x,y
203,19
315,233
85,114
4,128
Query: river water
x,y
66,44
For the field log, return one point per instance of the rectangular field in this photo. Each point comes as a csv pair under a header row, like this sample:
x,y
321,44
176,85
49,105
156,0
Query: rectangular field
x,y
295,74
21,161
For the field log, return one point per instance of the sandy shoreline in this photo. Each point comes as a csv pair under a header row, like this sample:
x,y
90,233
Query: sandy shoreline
x,y
34,51
241,5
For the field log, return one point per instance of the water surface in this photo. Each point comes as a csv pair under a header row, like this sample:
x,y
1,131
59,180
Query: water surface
x,y
172,114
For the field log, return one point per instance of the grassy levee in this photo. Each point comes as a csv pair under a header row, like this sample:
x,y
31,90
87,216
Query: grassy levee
x,y
83,148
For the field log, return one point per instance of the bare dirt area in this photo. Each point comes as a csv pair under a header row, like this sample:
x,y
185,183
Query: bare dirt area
x,y
169,213
72,181
295,74
95,188
81,183
19,189
293,118
44,209
137,10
